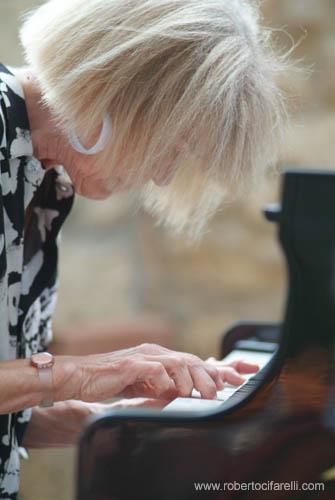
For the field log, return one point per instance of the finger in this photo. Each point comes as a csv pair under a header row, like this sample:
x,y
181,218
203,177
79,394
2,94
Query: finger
x,y
211,360
244,366
178,370
209,367
216,376
239,365
214,373
168,395
230,375
144,390
154,375
203,382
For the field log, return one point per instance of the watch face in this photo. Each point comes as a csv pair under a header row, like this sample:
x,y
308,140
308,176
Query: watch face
x,y
42,359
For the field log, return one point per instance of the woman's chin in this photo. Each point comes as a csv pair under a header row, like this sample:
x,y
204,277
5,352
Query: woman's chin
x,y
101,190
97,194
93,195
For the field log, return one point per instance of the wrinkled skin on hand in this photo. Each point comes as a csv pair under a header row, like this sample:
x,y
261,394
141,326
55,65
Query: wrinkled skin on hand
x,y
152,371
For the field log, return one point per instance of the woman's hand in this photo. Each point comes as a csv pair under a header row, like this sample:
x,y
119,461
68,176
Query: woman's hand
x,y
60,425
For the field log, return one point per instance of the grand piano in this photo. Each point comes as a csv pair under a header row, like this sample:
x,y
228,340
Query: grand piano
x,y
274,437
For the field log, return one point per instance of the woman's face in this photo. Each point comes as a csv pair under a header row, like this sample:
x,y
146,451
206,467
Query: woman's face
x,y
93,181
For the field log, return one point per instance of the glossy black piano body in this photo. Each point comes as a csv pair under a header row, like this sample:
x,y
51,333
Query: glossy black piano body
x,y
283,431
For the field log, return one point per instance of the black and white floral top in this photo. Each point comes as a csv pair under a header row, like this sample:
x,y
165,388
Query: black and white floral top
x,y
33,207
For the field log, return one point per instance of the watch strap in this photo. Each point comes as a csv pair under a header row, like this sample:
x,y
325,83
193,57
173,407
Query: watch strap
x,y
43,362
46,379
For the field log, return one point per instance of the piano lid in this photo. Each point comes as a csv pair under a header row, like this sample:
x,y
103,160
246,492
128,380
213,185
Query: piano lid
x,y
283,431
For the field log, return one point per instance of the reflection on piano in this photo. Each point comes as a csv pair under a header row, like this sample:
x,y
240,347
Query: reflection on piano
x,y
279,427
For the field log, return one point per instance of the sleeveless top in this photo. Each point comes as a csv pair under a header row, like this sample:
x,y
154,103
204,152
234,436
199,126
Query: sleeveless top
x,y
33,206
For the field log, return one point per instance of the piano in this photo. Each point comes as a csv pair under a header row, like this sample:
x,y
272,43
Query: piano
x,y
272,438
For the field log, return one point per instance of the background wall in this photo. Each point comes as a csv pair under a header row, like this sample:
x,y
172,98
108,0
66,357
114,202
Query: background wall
x,y
115,264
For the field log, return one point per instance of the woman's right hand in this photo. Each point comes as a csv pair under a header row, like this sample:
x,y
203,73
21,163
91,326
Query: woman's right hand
x,y
147,370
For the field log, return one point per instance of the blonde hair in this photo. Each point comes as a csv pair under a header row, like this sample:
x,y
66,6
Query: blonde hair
x,y
169,72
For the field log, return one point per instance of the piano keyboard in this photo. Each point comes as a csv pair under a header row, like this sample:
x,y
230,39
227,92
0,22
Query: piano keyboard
x,y
196,403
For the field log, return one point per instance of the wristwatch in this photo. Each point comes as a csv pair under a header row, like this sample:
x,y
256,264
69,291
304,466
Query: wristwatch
x,y
44,362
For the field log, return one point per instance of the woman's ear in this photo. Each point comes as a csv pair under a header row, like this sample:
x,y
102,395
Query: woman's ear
x,y
105,134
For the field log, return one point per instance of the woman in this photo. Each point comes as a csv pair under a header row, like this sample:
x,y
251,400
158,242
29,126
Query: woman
x,y
176,97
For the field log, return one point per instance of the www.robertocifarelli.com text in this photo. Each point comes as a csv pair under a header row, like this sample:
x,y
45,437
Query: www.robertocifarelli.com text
x,y
258,486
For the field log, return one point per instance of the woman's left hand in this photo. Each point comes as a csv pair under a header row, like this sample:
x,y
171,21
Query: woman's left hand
x,y
60,425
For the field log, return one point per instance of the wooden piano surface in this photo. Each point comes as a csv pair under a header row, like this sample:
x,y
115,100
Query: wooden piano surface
x,y
282,431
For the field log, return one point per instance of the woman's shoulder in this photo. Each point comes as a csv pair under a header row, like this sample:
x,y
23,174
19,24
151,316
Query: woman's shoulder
x,y
15,140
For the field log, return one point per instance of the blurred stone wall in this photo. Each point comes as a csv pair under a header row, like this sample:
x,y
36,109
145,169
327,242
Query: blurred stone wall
x,y
116,264
311,25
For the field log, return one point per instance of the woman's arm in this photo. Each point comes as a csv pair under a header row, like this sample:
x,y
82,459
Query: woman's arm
x,y
60,425
20,385
147,370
